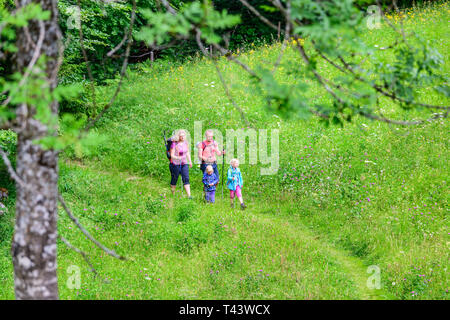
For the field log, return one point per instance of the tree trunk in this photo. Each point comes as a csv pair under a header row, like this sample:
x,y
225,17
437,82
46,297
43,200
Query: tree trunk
x,y
34,242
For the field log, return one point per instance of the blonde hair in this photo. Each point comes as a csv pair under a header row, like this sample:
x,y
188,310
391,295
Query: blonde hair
x,y
234,161
176,136
209,168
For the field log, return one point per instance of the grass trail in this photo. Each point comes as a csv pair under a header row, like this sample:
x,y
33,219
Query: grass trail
x,y
352,268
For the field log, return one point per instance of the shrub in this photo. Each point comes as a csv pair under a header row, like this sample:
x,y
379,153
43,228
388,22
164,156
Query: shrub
x,y
186,210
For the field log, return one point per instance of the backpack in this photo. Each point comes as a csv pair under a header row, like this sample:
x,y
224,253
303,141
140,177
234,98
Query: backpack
x,y
204,145
168,144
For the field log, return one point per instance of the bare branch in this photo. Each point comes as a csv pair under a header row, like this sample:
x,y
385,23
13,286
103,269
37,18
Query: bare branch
x,y
33,60
319,114
86,233
156,47
401,31
365,114
386,93
82,253
402,123
316,74
6,125
202,48
286,38
221,49
110,53
228,54
11,170
60,59
278,4
259,15
122,73
324,82
27,35
86,60
168,6
347,68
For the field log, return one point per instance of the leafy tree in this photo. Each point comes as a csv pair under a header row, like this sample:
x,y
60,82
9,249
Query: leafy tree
x,y
29,106
332,31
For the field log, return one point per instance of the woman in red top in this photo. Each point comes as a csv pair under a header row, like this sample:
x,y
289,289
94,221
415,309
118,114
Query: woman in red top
x,y
207,151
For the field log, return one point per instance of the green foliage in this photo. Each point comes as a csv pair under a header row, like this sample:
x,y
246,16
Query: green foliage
x,y
9,23
410,70
153,206
31,87
6,229
8,140
328,31
72,137
104,25
286,100
251,29
186,210
360,188
192,234
161,26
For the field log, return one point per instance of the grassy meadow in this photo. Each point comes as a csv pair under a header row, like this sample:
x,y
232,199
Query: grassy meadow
x,y
343,199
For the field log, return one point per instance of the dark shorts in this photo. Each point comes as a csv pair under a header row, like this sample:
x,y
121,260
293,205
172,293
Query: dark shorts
x,y
176,170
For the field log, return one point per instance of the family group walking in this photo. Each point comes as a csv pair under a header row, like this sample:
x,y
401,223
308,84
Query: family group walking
x,y
180,162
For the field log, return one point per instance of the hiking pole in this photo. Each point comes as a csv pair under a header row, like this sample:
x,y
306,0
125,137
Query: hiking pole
x,y
182,185
223,163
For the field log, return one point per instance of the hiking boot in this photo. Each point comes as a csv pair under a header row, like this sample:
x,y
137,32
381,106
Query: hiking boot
x,y
243,206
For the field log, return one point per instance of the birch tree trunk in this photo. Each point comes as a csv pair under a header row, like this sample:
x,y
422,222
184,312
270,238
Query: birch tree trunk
x,y
34,243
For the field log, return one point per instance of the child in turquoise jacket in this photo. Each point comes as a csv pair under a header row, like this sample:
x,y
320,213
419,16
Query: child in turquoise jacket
x,y
235,183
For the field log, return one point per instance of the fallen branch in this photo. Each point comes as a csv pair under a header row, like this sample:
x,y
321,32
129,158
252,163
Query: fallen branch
x,y
86,233
82,253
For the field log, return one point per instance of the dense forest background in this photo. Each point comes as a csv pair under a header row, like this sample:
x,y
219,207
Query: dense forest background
x,y
104,24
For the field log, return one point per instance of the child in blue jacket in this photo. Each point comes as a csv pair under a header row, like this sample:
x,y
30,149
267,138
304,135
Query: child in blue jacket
x,y
210,179
235,183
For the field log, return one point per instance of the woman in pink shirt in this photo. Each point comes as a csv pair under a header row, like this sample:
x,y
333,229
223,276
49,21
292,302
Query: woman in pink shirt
x,y
180,158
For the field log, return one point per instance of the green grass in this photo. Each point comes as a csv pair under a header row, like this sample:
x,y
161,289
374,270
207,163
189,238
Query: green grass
x,y
343,198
